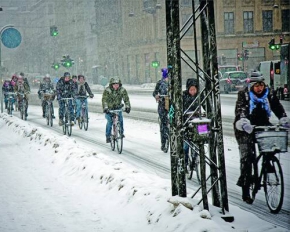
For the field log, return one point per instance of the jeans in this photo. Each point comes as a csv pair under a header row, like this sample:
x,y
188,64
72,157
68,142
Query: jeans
x,y
79,103
110,123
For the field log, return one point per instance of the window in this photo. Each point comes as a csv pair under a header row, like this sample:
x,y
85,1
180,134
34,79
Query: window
x,y
267,20
248,22
229,23
286,20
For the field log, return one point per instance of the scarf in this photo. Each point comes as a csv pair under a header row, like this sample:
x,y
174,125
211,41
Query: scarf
x,y
263,100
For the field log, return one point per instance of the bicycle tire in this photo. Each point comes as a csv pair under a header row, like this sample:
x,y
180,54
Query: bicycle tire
x,y
9,108
189,168
47,112
85,119
274,185
22,111
80,122
197,169
166,145
119,138
51,113
68,124
113,138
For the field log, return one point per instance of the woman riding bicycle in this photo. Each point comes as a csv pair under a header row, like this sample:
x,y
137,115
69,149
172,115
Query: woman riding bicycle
x,y
82,89
189,96
21,87
253,107
161,88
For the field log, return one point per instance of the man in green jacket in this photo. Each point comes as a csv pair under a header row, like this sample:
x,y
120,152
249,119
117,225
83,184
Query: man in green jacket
x,y
112,99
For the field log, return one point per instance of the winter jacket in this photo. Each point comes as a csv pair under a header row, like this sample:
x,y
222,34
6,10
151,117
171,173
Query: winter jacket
x,y
45,86
259,115
7,87
82,89
65,89
161,88
112,99
22,87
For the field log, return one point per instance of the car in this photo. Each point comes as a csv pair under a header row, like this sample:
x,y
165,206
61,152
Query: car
x,y
232,81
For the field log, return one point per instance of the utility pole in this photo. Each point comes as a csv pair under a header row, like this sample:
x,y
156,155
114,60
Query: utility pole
x,y
175,91
208,95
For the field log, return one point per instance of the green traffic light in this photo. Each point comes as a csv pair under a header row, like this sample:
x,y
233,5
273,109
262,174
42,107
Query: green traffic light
x,y
155,64
277,46
55,33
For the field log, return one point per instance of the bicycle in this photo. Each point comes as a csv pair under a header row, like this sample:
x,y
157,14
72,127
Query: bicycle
x,y
166,128
271,140
193,161
67,125
116,133
11,100
48,98
22,105
84,117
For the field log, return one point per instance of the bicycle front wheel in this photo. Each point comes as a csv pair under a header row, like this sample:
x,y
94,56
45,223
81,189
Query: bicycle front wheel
x,y
50,115
274,185
47,112
197,168
85,120
119,139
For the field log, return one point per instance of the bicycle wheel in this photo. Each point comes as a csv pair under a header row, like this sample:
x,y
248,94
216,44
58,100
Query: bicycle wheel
x,y
274,185
85,119
80,122
166,145
47,112
119,138
68,125
50,115
22,111
197,169
190,167
113,138
9,108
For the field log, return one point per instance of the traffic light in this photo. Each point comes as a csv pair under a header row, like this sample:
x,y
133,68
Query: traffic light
x,y
67,61
240,56
55,66
246,54
53,31
155,64
274,46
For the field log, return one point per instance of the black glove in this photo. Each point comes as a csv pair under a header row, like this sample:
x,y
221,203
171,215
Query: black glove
x,y
127,110
91,95
106,110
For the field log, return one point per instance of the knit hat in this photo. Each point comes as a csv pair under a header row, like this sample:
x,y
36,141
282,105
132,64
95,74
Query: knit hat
x,y
191,82
164,73
254,80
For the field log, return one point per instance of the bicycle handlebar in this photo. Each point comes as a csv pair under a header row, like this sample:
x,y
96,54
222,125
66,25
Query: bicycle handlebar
x,y
66,98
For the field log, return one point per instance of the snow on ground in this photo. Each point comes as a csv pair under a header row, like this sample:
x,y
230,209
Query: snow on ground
x,y
91,191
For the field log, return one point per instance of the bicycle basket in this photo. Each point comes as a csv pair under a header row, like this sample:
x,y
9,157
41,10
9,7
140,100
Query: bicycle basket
x,y
272,139
198,129
48,96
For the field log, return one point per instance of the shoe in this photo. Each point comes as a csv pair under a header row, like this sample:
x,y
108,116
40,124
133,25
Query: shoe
x,y
53,116
43,115
60,123
72,123
108,140
5,107
248,200
122,136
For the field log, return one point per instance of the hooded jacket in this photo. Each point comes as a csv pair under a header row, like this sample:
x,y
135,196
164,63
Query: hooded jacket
x,y
187,98
112,99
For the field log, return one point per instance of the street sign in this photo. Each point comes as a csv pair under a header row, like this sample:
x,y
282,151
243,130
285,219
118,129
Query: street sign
x,y
11,37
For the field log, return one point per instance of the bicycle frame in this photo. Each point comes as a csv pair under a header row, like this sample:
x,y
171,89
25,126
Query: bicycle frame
x,y
83,120
23,105
11,98
48,98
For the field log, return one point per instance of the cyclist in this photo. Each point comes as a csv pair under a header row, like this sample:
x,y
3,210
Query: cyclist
x,y
22,87
65,89
82,89
25,79
112,99
46,86
253,107
189,96
7,87
161,88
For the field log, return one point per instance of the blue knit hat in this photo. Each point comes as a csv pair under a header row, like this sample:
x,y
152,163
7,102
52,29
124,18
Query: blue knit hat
x,y
164,73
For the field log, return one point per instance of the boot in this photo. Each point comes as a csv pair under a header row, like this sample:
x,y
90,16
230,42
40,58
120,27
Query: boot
x,y
246,195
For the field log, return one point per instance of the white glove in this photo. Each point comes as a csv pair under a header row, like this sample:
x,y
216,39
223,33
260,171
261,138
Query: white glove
x,y
244,124
285,122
